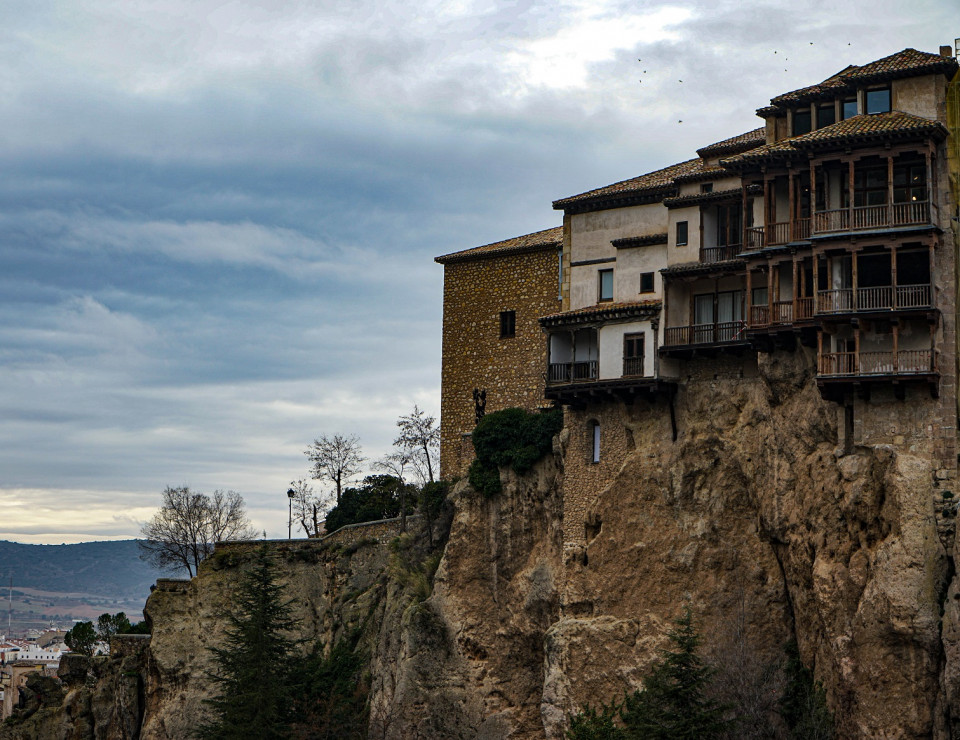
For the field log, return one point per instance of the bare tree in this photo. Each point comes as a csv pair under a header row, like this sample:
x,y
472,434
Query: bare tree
x,y
395,464
188,525
419,439
307,506
336,459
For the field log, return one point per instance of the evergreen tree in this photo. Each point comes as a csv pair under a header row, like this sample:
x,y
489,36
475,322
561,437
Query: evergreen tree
x,y
253,663
596,724
673,704
803,705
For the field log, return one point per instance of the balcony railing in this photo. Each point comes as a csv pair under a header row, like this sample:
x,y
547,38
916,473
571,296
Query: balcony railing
x,y
719,254
632,366
704,334
572,372
879,298
781,232
872,217
906,362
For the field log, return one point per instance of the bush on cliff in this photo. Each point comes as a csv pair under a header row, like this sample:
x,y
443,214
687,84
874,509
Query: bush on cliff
x,y
378,497
511,438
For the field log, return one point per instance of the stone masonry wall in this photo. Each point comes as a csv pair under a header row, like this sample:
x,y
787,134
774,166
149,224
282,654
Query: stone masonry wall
x,y
511,370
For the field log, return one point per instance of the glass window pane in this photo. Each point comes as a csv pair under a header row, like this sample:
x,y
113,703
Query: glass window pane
x,y
878,101
826,115
606,285
801,122
849,108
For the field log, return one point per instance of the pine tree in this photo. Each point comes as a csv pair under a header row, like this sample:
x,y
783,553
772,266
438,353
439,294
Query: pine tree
x,y
673,704
253,664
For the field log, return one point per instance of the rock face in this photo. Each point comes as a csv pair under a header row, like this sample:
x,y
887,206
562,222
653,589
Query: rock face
x,y
748,501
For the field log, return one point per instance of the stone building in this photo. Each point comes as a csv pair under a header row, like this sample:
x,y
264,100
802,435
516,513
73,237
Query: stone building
x,y
831,228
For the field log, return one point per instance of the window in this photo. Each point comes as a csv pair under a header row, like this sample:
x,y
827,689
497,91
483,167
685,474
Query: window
x,y
910,182
870,185
508,324
878,101
729,228
826,115
758,296
646,282
595,439
801,122
681,233
706,187
606,285
849,108
633,354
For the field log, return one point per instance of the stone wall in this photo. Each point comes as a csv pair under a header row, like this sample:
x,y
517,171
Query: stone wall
x,y
510,370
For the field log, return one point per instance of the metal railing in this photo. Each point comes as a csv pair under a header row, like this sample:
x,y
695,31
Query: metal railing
x,y
722,333
877,298
871,217
572,372
906,362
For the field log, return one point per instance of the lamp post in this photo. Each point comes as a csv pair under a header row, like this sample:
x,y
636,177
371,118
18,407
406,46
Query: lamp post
x,y
290,494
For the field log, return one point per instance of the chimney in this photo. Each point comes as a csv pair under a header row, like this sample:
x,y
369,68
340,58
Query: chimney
x,y
946,51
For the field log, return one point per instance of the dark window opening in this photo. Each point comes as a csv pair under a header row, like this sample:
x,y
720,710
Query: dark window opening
x,y
849,108
681,233
706,187
873,270
913,267
646,282
870,185
606,285
909,181
729,227
633,354
508,324
826,115
801,122
878,101
595,441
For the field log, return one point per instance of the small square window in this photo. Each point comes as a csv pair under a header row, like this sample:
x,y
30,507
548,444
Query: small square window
x,y
878,101
606,285
706,187
681,233
646,282
849,108
508,324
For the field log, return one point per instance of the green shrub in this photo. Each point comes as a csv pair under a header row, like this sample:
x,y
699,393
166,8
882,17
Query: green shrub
x,y
511,438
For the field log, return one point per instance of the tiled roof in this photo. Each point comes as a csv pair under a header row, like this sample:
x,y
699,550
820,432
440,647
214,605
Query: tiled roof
x,y
652,183
879,126
539,240
695,199
639,241
906,63
693,268
734,144
704,174
604,312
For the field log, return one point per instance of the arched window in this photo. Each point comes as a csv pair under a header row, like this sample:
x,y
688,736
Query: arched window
x,y
595,441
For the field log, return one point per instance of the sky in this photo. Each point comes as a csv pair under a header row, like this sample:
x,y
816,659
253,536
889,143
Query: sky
x,y
218,219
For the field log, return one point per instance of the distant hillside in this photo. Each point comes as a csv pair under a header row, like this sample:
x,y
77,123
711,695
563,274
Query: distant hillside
x,y
111,569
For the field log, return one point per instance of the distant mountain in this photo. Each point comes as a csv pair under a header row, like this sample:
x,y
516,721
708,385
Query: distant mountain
x,y
111,569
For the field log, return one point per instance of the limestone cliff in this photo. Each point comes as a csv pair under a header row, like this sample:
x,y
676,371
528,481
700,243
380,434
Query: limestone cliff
x,y
749,500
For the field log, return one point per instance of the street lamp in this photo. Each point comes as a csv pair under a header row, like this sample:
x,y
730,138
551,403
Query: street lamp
x,y
290,494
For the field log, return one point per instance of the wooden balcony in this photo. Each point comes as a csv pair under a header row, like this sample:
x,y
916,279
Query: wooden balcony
x,y
632,366
861,218
779,233
681,341
839,370
877,299
781,312
709,255
572,372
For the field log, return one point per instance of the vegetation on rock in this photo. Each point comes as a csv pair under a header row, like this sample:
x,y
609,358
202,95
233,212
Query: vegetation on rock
x,y
254,660
803,705
512,438
378,497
